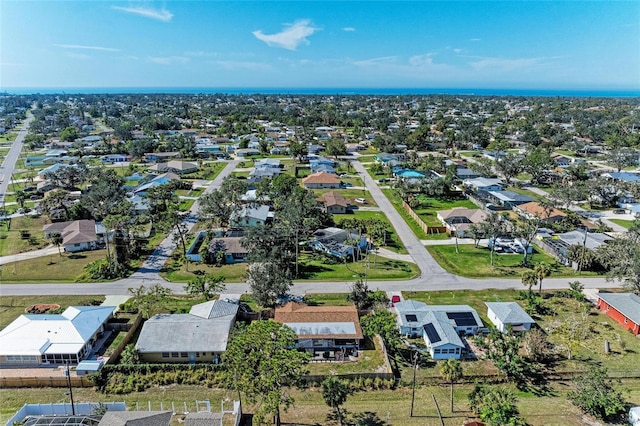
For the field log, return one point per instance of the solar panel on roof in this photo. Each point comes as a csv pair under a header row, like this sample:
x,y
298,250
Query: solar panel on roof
x,y
411,318
432,334
462,319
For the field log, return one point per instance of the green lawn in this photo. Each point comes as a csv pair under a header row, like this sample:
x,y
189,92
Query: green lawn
x,y
11,307
429,206
395,200
624,223
11,242
50,269
310,269
523,191
475,262
207,171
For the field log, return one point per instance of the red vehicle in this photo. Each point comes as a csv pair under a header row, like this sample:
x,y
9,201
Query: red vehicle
x,y
394,299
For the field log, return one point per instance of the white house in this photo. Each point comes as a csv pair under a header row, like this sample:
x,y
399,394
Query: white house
x,y
483,184
53,339
505,315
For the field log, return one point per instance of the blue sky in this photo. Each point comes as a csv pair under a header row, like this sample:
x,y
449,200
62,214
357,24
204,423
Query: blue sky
x,y
571,45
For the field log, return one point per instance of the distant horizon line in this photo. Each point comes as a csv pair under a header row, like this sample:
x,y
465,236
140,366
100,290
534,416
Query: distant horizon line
x,y
389,91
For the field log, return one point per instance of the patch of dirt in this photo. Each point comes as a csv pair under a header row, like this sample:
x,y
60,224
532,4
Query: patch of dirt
x,y
41,308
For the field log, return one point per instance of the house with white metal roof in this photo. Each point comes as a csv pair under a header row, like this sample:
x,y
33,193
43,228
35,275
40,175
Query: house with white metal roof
x,y
36,339
508,315
199,336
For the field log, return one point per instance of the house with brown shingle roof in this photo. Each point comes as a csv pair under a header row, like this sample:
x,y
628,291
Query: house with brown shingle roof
x,y
534,210
332,203
321,180
322,329
459,219
77,235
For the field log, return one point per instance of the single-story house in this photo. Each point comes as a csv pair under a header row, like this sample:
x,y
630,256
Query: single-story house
x,y
483,184
77,235
534,210
439,325
38,339
136,418
508,198
250,216
505,315
199,336
234,252
389,159
247,152
333,203
159,180
623,176
267,163
155,157
44,173
260,174
624,308
323,329
459,219
562,161
115,158
174,166
321,180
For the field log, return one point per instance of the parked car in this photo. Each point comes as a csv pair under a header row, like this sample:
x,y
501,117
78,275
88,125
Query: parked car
x,y
360,201
394,299
619,211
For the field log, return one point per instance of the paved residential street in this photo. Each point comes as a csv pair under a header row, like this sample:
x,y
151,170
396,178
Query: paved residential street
x,y
9,162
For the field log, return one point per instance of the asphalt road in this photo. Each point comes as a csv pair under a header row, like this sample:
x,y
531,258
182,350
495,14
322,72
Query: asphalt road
x,y
9,162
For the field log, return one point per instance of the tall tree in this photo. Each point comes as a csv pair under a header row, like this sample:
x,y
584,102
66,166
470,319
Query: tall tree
x,y
335,393
268,282
205,285
262,362
509,167
537,162
56,239
594,394
451,371
495,405
541,270
335,147
621,257
493,227
149,301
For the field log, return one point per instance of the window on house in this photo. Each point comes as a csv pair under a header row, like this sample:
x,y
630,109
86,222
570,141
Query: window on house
x,y
165,354
184,354
174,354
626,320
436,351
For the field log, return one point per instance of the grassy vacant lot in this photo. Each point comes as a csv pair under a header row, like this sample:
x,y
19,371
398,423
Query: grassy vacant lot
x,y
11,307
350,195
624,223
207,171
382,407
310,269
11,241
475,262
395,200
50,269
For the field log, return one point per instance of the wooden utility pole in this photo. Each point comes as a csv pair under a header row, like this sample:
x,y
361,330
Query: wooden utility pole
x,y
438,408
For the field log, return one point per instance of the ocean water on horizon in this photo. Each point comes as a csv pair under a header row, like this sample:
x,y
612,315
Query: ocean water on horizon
x,y
321,91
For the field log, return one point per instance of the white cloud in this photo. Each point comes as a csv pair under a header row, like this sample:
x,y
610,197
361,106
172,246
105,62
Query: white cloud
x,y
349,29
421,60
458,51
290,37
375,61
168,60
503,64
474,39
83,47
161,15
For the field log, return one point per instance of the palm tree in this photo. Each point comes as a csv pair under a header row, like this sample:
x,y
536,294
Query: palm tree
x,y
451,371
21,197
541,270
57,240
334,393
529,278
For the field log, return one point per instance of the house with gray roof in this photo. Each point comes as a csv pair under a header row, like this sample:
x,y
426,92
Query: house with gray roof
x,y
439,325
624,308
508,315
199,336
136,418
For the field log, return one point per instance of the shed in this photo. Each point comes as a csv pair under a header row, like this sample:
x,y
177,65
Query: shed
x,y
89,367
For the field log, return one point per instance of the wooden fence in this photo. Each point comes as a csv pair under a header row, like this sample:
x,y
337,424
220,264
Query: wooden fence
x,y
426,228
127,338
44,382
